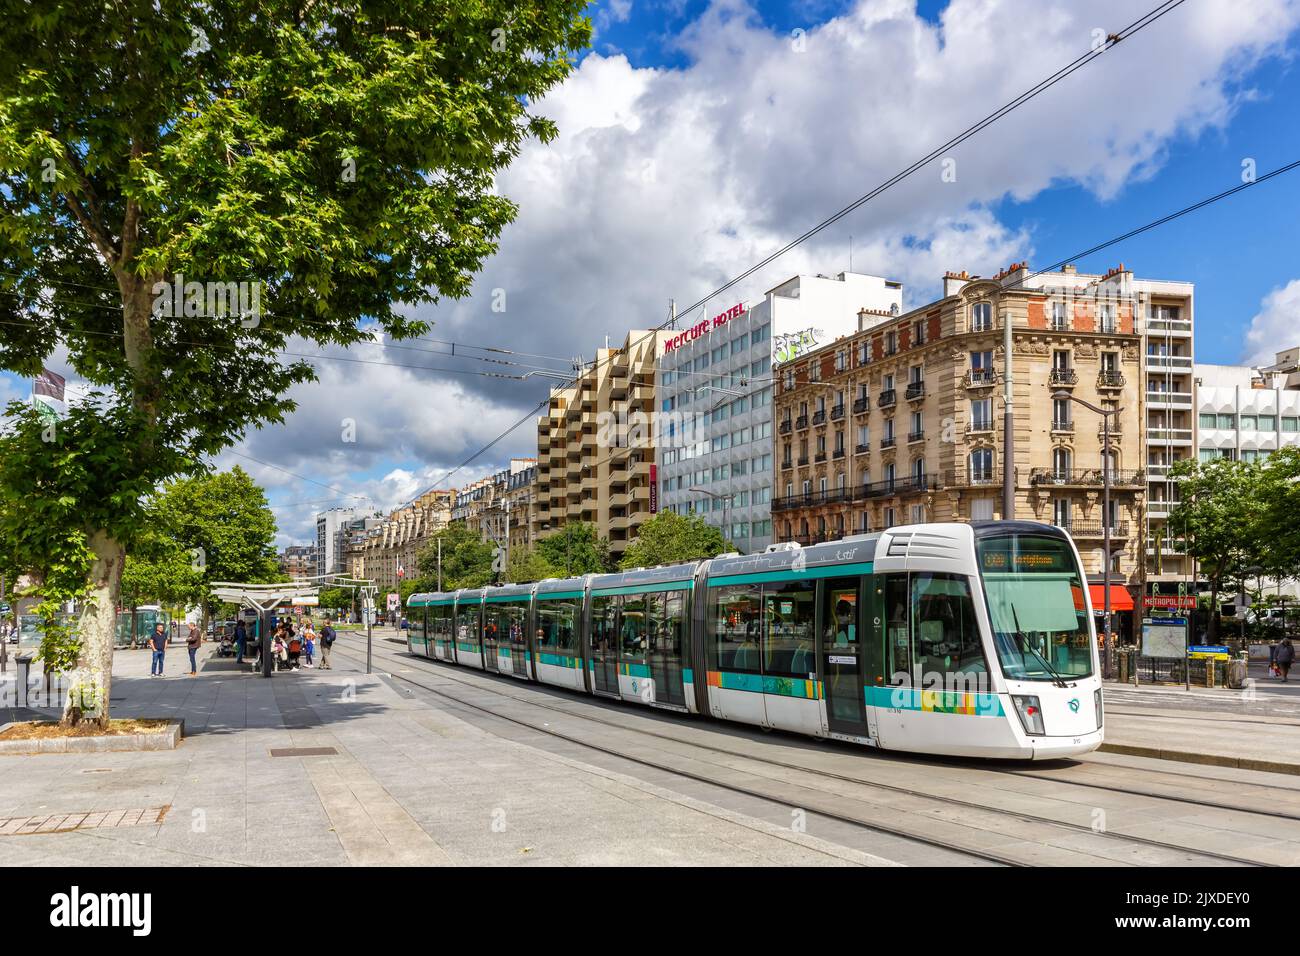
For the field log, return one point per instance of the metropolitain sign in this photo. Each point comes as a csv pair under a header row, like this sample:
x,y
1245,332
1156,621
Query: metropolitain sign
x,y
704,327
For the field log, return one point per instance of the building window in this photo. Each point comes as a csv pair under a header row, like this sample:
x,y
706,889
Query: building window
x,y
981,316
1060,316
981,415
981,464
918,332
1061,463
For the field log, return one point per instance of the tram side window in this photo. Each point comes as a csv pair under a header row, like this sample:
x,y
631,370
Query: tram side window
x,y
467,625
632,628
670,620
735,626
790,612
516,619
898,653
441,621
946,639
556,628
604,625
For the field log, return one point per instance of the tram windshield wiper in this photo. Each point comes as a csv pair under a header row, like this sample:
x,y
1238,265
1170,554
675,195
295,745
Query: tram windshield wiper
x,y
1023,640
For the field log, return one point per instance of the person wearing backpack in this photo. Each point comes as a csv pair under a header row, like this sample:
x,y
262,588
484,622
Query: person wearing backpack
x,y
326,643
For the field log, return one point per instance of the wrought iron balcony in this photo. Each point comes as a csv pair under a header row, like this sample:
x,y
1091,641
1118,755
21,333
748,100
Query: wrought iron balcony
x,y
915,390
786,426
819,417
1063,376
980,377
916,436
887,397
1108,379
1090,477
859,406
887,443
862,448
837,412
801,422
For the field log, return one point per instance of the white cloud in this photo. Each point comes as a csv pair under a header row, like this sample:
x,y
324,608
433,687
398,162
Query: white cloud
x,y
1276,326
666,182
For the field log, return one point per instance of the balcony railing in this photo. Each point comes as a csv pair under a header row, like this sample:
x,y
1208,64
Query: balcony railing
x,y
819,457
1177,363
1110,379
887,397
787,463
1183,326
1090,477
973,477
911,484
915,390
887,443
786,426
819,417
862,449
801,422
1096,529
980,426
837,412
1170,399
859,406
916,436
1170,435
980,377
1062,426
803,460
1063,376
838,453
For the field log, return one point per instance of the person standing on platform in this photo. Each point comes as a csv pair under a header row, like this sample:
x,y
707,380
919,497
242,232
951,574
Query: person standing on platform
x,y
241,641
158,644
1285,657
326,643
192,643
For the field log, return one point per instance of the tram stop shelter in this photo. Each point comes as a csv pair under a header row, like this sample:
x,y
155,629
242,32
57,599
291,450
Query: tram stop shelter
x,y
265,599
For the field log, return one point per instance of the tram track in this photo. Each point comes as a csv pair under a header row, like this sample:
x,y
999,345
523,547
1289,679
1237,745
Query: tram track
x,y
1190,854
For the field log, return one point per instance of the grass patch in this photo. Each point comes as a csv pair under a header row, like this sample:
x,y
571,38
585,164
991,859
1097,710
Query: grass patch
x,y
49,729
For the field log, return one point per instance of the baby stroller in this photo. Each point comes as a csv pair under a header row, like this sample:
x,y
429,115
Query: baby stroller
x,y
227,646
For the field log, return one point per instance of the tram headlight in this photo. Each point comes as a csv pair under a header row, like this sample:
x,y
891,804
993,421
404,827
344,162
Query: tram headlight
x,y
1097,700
1031,715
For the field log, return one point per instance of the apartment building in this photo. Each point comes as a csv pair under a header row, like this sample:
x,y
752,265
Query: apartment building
x,y
596,445
714,441
299,560
387,552
901,421
498,505
328,555
1245,414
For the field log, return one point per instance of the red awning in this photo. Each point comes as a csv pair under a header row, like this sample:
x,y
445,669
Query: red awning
x,y
1120,600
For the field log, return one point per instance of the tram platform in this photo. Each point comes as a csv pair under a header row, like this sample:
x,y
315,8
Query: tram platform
x,y
1217,727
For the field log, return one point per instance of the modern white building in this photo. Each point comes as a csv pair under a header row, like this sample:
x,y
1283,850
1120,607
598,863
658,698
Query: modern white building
x,y
1246,414
714,381
329,554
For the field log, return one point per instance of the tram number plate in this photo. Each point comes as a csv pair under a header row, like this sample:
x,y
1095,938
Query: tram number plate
x,y
843,659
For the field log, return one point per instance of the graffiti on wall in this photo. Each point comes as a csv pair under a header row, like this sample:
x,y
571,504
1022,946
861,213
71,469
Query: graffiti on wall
x,y
789,346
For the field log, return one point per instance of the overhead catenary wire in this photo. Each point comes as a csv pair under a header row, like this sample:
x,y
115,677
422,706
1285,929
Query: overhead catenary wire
x,y
1078,63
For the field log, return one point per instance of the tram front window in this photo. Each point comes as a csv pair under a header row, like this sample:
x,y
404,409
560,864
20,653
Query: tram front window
x,y
1035,598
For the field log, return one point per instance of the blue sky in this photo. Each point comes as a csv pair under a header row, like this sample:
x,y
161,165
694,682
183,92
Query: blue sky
x,y
693,141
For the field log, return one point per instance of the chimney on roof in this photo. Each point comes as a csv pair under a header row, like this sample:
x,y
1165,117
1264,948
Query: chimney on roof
x,y
1069,269
953,282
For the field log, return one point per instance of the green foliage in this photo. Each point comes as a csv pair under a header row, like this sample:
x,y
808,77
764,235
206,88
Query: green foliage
x,y
574,550
670,538
527,565
223,523
336,599
338,160
466,560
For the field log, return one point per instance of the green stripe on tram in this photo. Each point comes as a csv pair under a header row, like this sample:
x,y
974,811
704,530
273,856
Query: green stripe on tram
x,y
502,598
644,588
807,574
559,595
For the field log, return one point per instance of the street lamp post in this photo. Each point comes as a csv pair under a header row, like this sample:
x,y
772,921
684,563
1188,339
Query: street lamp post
x,y
726,508
1108,665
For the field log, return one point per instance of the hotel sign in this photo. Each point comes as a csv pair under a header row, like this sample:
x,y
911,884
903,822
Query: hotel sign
x,y
704,327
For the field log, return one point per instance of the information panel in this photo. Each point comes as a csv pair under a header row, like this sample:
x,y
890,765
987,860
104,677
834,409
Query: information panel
x,y
1164,637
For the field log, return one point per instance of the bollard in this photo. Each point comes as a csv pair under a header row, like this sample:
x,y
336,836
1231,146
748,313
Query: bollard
x,y
24,662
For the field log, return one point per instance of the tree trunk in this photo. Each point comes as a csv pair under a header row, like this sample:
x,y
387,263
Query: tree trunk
x,y
90,685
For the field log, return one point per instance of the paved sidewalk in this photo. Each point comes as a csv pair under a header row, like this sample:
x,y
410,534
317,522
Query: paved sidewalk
x,y
407,784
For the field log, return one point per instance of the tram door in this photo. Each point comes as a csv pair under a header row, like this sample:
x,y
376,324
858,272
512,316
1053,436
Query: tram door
x,y
491,636
667,622
842,658
604,644
516,617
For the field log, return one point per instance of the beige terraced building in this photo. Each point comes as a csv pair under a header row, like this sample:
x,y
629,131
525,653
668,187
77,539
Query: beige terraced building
x,y
595,445
902,421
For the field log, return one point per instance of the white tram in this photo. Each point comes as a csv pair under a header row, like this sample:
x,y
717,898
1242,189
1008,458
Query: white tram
x,y
963,639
